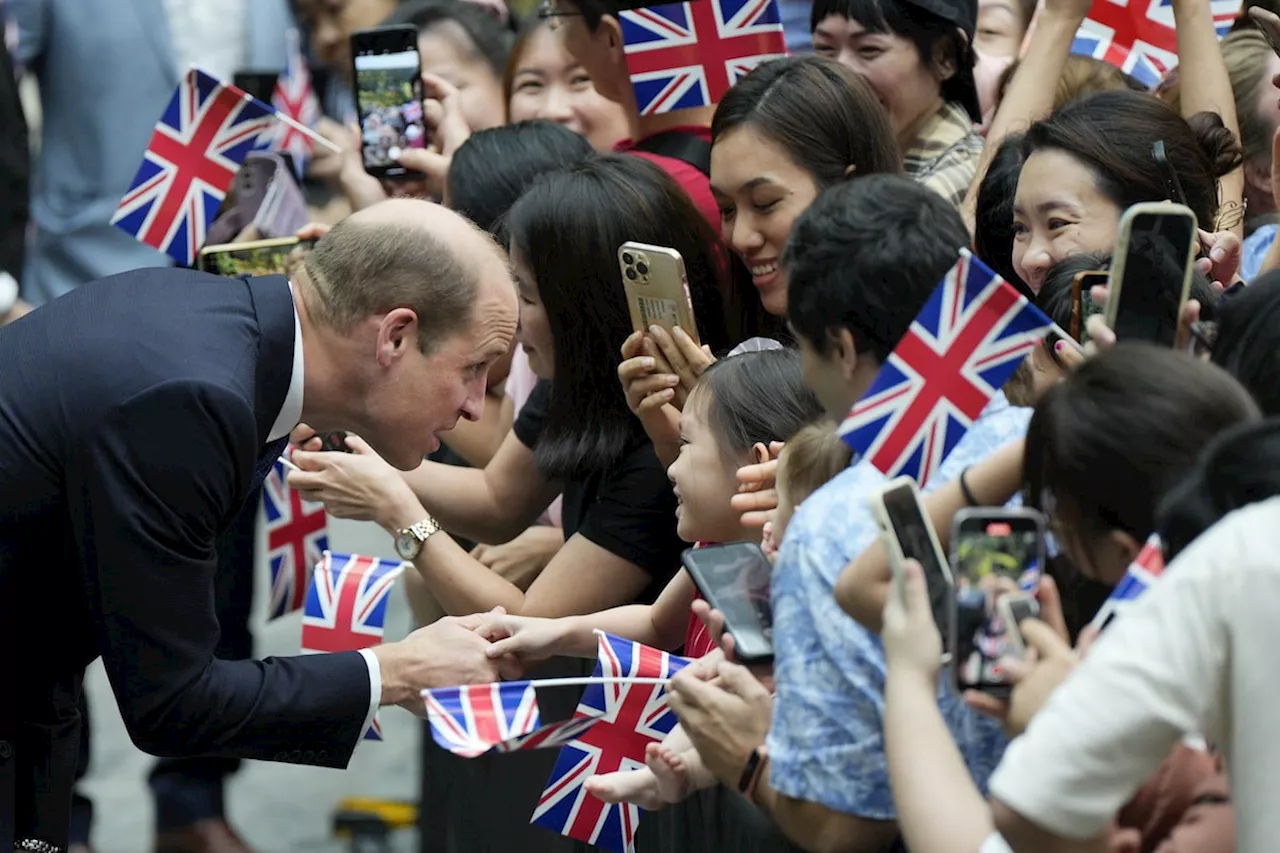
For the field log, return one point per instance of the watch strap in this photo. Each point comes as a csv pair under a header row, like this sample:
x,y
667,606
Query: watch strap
x,y
423,529
751,772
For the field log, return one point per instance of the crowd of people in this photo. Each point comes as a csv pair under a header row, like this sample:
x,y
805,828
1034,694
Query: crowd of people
x,y
816,208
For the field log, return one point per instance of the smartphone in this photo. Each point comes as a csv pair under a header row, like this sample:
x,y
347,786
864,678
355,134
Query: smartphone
x,y
995,552
334,441
734,579
1014,610
388,75
907,533
657,288
1151,274
257,257
1082,305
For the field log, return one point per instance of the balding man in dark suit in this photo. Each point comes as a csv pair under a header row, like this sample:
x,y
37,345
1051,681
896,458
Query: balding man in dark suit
x,y
136,415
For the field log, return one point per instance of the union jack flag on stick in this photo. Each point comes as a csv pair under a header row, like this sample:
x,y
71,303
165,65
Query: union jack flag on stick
x,y
297,535
502,717
967,341
1138,36
198,145
346,607
686,55
631,716
295,97
1143,572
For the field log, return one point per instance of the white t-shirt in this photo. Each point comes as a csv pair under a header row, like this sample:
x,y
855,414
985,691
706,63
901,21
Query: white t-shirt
x,y
1196,654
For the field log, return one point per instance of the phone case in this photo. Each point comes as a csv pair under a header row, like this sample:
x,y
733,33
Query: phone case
x,y
208,253
1121,252
657,288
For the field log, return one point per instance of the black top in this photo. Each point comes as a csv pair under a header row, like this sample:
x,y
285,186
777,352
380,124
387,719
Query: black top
x,y
628,509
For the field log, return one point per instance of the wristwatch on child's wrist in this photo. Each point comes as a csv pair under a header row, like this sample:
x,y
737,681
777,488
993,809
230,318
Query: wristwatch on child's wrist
x,y
410,539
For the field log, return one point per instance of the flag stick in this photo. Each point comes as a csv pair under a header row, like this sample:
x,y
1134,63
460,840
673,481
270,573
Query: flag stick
x,y
308,132
288,464
1066,336
577,682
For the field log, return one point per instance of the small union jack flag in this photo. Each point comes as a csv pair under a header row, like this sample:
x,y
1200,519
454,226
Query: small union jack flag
x,y
346,604
198,145
297,534
631,717
966,342
295,97
1138,36
1143,572
502,717
686,55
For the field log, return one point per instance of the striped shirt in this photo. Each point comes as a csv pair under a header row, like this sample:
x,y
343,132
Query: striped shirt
x,y
945,155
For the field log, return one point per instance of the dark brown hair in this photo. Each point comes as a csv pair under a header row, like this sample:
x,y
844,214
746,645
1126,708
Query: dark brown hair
x,y
1112,133
821,113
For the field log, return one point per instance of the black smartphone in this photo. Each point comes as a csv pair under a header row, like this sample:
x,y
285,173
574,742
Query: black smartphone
x,y
994,553
1082,305
1151,273
1172,185
388,75
334,441
734,579
907,534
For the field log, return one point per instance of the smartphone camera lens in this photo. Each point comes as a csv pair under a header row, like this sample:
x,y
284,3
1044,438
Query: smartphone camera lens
x,y
631,273
628,259
642,268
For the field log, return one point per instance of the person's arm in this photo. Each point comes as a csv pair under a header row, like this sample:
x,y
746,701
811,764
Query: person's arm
x,y
493,504
1206,87
864,584
1034,85
661,625
146,510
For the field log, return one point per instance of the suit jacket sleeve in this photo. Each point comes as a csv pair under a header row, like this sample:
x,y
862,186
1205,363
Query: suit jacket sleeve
x,y
156,481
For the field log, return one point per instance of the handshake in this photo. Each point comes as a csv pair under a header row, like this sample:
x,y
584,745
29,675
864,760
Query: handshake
x,y
448,652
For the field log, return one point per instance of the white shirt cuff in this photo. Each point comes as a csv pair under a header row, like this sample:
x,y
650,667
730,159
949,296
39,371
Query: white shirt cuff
x,y
375,687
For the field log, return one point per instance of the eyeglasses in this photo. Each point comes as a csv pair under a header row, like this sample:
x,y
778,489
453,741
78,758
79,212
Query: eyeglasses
x,y
548,12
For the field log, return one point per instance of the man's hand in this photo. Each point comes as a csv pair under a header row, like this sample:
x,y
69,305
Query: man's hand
x,y
446,653
725,720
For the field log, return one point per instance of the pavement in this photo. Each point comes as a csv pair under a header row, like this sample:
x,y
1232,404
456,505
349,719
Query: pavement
x,y
277,808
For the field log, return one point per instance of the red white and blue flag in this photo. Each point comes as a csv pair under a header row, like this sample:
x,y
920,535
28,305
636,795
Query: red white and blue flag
x,y
1143,572
1138,36
500,717
966,342
297,535
631,717
346,607
686,55
198,145
295,97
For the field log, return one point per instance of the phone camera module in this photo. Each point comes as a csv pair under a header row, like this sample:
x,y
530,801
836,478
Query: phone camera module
x,y
628,259
643,269
631,273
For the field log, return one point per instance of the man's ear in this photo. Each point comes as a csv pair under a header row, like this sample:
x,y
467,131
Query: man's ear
x,y
844,351
397,334
610,35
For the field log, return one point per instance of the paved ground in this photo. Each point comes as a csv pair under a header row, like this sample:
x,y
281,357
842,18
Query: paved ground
x,y
279,808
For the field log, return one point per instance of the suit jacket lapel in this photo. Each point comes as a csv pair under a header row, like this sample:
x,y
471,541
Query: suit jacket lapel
x,y
153,22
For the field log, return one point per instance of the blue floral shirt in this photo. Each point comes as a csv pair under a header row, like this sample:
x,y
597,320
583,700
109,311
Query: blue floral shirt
x,y
1256,246
826,744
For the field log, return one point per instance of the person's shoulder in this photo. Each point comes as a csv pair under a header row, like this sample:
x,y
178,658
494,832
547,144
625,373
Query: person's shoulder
x,y
1243,542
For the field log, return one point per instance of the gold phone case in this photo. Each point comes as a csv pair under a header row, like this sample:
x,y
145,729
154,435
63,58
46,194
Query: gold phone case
x,y
657,288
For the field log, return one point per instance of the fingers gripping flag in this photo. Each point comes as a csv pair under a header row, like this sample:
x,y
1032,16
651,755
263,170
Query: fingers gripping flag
x,y
196,148
296,538
346,607
686,55
502,717
631,717
965,344
1138,36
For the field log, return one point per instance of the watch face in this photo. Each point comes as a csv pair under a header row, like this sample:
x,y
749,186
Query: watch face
x,y
407,545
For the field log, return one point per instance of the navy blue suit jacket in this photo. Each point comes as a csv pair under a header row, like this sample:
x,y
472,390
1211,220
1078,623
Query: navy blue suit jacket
x,y
133,415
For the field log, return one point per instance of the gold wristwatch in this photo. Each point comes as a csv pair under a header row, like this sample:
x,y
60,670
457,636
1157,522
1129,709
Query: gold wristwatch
x,y
409,540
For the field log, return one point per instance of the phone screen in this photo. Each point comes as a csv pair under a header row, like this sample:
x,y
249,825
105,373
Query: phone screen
x,y
389,101
735,580
253,260
913,533
993,554
1155,267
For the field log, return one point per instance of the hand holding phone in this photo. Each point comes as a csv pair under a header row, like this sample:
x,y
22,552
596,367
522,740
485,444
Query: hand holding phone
x,y
388,75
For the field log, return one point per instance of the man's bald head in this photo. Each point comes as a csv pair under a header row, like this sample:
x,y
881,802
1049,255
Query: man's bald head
x,y
401,253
